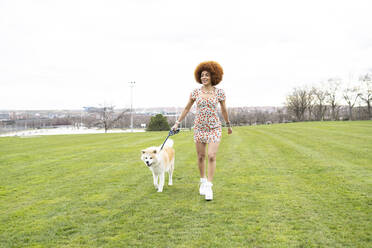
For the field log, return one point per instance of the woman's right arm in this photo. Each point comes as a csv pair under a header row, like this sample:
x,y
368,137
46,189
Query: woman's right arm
x,y
184,113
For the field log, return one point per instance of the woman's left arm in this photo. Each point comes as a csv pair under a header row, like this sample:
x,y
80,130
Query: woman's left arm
x,y
226,116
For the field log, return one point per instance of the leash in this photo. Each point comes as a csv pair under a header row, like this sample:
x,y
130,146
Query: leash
x,y
171,133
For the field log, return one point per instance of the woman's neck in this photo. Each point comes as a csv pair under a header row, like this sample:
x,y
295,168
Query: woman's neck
x,y
207,88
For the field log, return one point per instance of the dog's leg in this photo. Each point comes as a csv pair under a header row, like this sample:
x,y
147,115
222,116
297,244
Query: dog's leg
x,y
161,182
170,172
155,180
170,182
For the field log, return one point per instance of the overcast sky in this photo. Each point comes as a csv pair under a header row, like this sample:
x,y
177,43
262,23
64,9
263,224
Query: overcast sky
x,y
70,54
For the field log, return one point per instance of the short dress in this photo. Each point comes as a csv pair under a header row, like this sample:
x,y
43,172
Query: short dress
x,y
207,126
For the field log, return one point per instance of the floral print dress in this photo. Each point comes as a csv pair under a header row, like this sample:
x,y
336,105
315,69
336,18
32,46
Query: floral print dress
x,y
207,126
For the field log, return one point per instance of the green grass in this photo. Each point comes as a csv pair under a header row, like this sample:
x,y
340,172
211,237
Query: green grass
x,y
284,185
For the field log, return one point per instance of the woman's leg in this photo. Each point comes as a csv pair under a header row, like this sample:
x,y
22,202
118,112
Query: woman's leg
x,y
200,150
212,153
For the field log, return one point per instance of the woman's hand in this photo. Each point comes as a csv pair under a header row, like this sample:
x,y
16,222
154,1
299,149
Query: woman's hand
x,y
175,127
229,130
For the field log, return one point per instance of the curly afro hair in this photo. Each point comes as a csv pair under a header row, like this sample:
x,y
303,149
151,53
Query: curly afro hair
x,y
213,68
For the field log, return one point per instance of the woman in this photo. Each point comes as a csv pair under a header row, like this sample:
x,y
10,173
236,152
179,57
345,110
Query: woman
x,y
207,126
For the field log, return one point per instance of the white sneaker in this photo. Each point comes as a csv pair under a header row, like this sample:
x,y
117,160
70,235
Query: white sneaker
x,y
208,191
203,181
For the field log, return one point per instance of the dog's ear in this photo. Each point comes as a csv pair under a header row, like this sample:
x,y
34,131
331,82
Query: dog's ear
x,y
154,151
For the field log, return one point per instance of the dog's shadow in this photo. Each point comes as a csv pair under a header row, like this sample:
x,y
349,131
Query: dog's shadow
x,y
183,189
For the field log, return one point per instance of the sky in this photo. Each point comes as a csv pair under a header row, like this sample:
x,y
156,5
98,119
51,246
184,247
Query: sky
x,y
71,54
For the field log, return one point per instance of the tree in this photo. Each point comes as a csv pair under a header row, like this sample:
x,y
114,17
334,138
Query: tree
x,y
108,118
298,102
280,115
366,92
311,101
320,96
332,88
158,123
351,95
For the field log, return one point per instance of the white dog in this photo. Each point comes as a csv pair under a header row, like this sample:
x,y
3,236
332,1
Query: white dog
x,y
159,162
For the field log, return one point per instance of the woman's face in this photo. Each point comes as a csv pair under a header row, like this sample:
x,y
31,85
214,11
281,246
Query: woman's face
x,y
205,78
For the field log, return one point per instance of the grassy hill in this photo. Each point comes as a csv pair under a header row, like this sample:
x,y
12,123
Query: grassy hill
x,y
284,185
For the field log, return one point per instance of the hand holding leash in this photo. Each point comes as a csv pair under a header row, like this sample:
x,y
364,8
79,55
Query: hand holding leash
x,y
175,126
171,133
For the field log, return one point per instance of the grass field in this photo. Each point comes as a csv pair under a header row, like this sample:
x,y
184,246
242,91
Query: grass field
x,y
283,185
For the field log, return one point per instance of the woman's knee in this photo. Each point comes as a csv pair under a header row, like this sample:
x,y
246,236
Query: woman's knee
x,y
212,156
201,157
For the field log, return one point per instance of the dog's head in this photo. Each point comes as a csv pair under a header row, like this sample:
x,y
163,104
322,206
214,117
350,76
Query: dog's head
x,y
150,156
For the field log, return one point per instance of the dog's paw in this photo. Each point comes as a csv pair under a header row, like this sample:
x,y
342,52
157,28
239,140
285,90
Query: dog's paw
x,y
170,184
160,190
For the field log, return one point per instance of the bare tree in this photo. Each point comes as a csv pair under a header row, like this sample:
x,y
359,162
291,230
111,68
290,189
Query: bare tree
x,y
351,95
366,92
320,96
234,116
281,115
311,101
332,88
298,102
107,116
261,116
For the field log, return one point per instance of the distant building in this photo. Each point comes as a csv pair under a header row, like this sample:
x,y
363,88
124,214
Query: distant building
x,y
170,114
4,117
92,109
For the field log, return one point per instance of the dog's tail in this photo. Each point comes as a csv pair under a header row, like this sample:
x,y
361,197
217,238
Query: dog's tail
x,y
169,143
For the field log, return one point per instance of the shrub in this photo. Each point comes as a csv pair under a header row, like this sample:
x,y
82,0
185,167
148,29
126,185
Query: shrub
x,y
158,123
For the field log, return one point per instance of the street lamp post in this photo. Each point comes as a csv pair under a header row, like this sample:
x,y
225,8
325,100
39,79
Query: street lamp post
x,y
131,85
